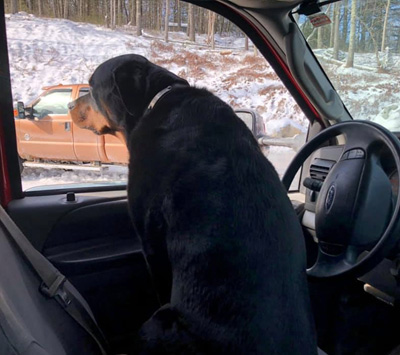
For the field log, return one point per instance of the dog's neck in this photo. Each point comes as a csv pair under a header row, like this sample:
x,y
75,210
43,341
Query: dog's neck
x,y
161,94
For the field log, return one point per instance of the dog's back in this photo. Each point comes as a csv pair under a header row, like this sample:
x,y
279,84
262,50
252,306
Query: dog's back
x,y
233,240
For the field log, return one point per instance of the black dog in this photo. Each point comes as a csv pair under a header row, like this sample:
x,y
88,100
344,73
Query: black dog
x,y
220,236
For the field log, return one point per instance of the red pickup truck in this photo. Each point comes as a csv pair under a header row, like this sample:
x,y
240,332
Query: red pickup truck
x,y
47,132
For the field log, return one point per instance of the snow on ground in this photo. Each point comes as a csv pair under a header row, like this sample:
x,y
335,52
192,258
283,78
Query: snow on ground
x,y
34,177
369,93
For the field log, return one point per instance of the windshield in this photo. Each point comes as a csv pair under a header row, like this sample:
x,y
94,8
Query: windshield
x,y
360,52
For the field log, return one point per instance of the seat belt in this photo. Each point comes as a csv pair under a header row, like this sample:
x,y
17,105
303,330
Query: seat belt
x,y
54,284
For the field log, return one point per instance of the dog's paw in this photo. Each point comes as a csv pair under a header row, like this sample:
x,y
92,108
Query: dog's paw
x,y
167,332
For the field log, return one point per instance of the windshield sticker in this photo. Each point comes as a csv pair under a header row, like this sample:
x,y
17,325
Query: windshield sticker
x,y
319,19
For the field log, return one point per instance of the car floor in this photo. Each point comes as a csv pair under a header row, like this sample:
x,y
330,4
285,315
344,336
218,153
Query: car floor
x,y
350,321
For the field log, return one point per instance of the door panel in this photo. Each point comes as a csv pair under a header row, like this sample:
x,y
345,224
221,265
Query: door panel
x,y
47,138
86,144
48,134
115,148
92,242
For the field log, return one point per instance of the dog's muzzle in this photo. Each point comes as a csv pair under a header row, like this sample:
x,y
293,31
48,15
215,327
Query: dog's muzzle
x,y
71,105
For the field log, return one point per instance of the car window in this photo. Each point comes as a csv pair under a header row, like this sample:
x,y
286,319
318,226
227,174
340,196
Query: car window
x,y
83,91
213,53
357,44
54,103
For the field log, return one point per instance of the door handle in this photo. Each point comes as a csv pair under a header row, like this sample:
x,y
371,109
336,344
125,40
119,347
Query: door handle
x,y
67,126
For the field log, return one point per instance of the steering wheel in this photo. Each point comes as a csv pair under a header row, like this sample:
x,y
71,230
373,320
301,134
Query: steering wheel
x,y
356,209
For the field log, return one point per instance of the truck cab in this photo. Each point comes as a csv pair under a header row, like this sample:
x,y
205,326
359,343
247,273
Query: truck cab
x,y
47,132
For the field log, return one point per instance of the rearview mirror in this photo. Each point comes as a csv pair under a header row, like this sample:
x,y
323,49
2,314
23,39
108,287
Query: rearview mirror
x,y
21,109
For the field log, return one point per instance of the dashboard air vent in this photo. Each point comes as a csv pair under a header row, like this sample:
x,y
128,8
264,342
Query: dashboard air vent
x,y
319,168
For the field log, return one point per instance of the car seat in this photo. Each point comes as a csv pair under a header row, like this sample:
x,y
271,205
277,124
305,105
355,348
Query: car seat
x,y
31,322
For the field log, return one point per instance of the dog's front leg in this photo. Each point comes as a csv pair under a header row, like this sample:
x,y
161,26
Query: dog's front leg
x,y
152,230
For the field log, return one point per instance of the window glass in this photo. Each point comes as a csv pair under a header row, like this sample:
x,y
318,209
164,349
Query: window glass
x,y
209,52
83,91
54,103
359,47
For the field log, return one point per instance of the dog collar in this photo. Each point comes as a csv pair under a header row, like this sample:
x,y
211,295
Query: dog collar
x,y
158,97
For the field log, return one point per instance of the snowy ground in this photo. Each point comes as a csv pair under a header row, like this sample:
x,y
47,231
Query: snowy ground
x,y
33,177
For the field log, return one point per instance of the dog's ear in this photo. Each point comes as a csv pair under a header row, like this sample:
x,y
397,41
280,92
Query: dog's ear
x,y
129,84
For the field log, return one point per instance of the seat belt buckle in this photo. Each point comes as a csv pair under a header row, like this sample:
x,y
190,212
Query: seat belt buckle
x,y
60,295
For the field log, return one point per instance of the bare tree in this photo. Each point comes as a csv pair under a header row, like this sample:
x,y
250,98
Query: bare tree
x,y
345,23
191,27
319,37
336,12
385,26
139,17
211,29
66,8
53,7
166,22
179,15
14,6
29,3
133,13
352,39
112,13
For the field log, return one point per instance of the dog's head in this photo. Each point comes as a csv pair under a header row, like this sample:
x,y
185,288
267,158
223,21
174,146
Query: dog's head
x,y
120,92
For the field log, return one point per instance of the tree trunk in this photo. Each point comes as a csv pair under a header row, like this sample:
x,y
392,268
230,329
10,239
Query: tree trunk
x,y
14,6
112,14
345,24
29,3
336,12
80,10
331,38
246,43
179,15
115,9
319,37
192,33
352,39
211,29
53,6
385,26
138,17
166,21
66,8
133,13
159,16
119,13
40,11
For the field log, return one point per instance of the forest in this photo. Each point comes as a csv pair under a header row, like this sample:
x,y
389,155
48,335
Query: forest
x,y
358,26
362,26
149,15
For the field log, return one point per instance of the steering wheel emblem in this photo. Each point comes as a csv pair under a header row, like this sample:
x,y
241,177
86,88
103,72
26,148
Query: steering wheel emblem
x,y
330,196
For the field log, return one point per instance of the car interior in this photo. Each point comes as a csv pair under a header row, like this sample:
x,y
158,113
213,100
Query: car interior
x,y
347,203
